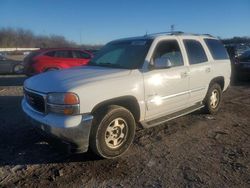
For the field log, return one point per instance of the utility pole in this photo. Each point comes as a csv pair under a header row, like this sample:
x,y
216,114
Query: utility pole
x,y
80,37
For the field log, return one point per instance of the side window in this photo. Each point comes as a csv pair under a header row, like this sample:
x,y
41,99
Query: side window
x,y
50,54
63,54
217,49
195,52
80,55
168,51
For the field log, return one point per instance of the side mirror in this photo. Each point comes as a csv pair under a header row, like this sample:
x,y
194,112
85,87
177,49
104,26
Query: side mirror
x,y
162,63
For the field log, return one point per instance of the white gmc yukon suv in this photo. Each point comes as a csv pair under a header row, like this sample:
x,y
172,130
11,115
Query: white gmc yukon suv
x,y
134,81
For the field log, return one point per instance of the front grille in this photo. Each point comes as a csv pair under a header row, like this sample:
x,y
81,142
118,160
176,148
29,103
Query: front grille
x,y
35,100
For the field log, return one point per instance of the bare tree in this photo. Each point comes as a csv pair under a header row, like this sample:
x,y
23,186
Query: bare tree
x,y
10,37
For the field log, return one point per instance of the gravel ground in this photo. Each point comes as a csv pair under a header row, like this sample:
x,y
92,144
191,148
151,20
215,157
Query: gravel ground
x,y
196,150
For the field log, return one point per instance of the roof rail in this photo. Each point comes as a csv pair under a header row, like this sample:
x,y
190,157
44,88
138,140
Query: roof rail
x,y
208,35
176,33
165,33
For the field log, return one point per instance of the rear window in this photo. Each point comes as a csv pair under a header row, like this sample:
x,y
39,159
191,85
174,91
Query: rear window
x,y
217,49
50,54
195,52
63,54
81,55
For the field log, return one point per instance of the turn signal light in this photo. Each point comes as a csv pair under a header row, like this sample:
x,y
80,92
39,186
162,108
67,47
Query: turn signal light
x,y
70,98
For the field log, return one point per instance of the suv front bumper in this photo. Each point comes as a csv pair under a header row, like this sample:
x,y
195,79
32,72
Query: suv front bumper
x,y
73,131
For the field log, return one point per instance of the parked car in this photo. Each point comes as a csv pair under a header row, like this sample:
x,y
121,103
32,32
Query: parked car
x,y
241,48
54,59
242,65
9,66
135,81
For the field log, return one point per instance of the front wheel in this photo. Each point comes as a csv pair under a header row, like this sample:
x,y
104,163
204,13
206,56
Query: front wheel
x,y
112,132
213,99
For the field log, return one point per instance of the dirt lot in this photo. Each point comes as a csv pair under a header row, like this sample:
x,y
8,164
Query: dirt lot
x,y
197,150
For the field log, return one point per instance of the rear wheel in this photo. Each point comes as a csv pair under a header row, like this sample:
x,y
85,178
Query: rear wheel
x,y
213,99
18,69
113,132
51,69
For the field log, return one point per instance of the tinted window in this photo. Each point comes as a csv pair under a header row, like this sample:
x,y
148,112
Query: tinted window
x,y
63,54
195,52
216,48
51,54
80,55
245,56
169,51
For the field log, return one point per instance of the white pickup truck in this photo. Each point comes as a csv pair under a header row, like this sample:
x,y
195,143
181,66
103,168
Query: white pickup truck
x,y
134,81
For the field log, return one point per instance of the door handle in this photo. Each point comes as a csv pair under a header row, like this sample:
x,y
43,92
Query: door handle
x,y
207,70
184,74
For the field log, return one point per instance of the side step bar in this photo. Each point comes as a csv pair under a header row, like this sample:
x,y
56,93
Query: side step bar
x,y
163,119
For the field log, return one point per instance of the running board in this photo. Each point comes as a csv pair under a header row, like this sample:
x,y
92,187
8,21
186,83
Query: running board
x,y
163,119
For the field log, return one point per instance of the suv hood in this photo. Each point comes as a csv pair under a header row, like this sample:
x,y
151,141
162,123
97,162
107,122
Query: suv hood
x,y
68,79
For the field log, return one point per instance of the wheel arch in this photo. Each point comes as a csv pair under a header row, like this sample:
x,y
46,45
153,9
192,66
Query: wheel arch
x,y
128,102
219,80
48,67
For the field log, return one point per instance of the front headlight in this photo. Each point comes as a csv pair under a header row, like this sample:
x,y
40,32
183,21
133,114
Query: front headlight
x,y
63,103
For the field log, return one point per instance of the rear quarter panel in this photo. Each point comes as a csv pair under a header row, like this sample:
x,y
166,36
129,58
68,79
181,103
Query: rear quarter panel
x,y
219,68
222,68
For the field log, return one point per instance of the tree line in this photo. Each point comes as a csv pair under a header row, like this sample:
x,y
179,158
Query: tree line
x,y
23,38
237,40
18,38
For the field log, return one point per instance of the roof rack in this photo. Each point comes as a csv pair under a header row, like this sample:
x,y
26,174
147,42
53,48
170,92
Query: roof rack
x,y
208,35
176,33
165,33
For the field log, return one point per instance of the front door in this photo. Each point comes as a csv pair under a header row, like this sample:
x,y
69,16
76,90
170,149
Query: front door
x,y
166,84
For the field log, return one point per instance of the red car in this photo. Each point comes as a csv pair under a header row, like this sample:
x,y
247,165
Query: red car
x,y
54,59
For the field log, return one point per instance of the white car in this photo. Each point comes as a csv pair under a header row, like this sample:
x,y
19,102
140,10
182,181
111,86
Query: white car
x,y
130,82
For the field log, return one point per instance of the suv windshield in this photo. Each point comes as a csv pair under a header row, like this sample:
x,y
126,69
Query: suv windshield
x,y
127,54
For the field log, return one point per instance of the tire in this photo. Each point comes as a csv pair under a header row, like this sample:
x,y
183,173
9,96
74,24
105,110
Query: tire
x,y
50,69
213,99
112,132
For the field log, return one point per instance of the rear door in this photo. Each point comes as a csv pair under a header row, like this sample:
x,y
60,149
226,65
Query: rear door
x,y
199,69
64,58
